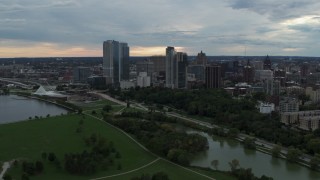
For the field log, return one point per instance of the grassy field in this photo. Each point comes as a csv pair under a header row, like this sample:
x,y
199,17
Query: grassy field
x,y
28,139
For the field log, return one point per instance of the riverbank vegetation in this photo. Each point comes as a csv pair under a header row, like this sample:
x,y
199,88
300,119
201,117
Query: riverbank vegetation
x,y
161,138
220,108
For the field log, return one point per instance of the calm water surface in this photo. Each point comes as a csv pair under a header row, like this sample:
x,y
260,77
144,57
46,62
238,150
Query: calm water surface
x,y
225,150
16,108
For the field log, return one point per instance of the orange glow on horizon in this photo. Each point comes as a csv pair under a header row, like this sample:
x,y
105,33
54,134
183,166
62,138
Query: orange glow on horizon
x,y
53,50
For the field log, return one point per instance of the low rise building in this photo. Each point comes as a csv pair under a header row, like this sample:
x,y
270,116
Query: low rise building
x,y
306,120
289,105
127,84
143,80
266,108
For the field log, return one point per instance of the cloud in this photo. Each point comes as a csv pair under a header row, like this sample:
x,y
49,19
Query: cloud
x,y
210,25
278,9
15,6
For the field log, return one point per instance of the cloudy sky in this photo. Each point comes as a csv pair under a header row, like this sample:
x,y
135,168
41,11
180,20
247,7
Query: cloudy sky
x,y
38,28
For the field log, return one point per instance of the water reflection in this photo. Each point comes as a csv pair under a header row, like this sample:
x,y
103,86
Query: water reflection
x,y
224,150
249,152
275,161
10,105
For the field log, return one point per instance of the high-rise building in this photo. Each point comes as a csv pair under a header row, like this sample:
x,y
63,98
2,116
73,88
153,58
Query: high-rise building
x,y
213,76
159,63
202,59
248,73
170,67
81,74
176,68
182,61
304,69
115,61
267,63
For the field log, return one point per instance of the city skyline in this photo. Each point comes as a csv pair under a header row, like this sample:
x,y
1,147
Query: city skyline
x,y
240,27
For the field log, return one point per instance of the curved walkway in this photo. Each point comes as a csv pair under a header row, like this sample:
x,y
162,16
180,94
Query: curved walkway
x,y
147,150
105,177
5,167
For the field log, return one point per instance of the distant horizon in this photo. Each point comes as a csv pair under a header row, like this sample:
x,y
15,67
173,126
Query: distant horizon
x,y
160,55
70,28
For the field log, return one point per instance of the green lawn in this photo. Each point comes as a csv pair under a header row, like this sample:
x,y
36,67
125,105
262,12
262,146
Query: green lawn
x,y
58,134
95,104
28,139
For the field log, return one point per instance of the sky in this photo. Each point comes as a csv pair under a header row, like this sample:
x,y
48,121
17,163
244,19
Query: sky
x,y
66,28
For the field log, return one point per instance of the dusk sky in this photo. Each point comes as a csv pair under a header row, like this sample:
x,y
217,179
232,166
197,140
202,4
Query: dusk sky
x,y
58,28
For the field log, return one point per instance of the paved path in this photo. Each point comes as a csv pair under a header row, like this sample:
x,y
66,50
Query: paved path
x,y
105,96
158,157
5,167
120,174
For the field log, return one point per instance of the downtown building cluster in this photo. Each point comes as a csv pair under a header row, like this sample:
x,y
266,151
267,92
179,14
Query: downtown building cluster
x,y
174,70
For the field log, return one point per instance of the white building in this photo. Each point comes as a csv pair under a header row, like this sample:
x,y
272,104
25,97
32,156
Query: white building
x,y
143,80
127,84
266,108
307,120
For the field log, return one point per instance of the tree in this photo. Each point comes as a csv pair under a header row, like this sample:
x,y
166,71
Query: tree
x,y
233,132
119,167
293,154
276,150
51,157
259,96
7,177
315,162
24,176
39,166
314,145
44,155
215,164
107,108
234,164
249,143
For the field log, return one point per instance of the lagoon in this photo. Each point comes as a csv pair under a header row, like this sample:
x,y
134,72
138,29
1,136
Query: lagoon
x,y
15,108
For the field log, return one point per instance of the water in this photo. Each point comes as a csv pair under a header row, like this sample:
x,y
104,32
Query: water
x,y
16,108
225,150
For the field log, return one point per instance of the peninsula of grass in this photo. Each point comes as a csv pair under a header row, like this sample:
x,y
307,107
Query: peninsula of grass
x,y
27,140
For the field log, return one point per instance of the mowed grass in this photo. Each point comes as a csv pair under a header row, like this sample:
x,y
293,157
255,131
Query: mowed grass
x,y
95,104
28,139
176,172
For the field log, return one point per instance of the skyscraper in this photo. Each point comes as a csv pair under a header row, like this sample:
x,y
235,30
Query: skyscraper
x,y
248,73
181,78
176,68
267,63
170,66
115,61
202,58
213,76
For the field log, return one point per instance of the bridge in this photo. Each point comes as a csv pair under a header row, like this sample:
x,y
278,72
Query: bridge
x,y
15,82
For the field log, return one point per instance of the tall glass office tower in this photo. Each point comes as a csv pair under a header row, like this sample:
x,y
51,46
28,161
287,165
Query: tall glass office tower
x,y
115,61
176,68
